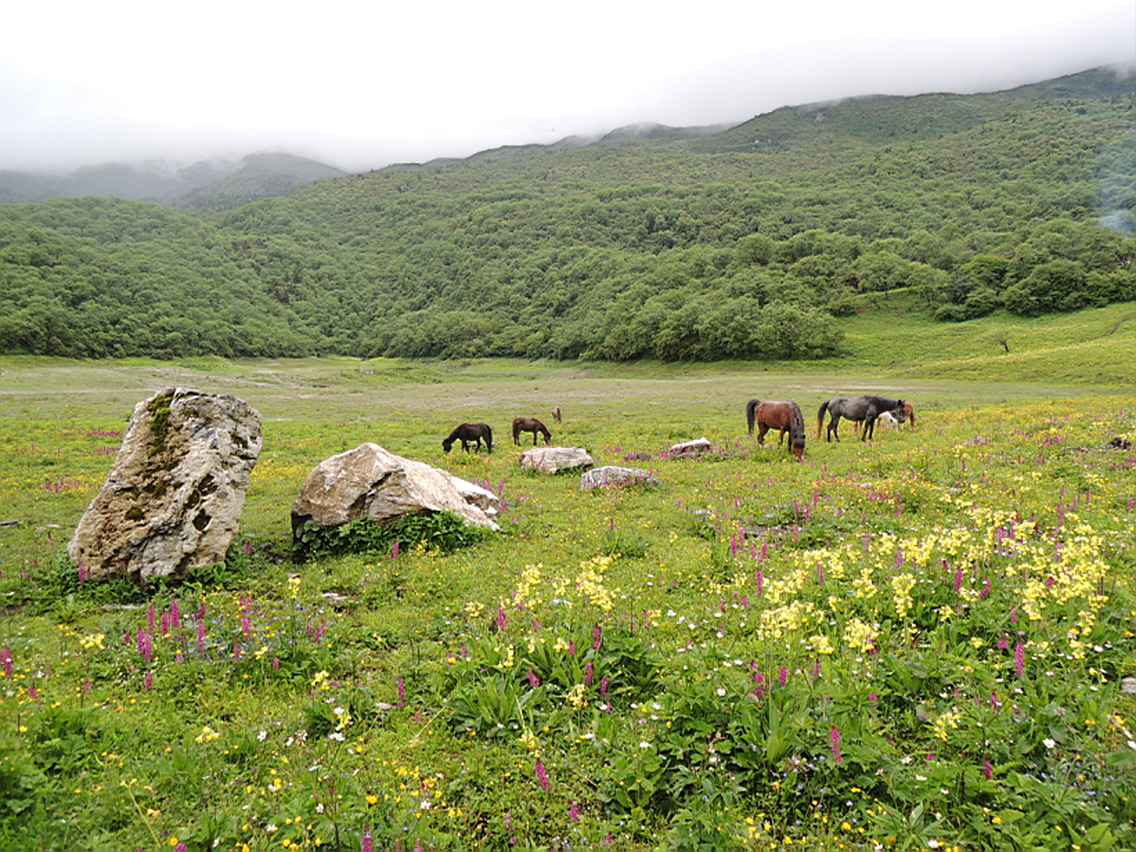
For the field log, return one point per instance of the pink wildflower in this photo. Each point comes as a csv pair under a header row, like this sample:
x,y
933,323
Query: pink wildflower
x,y
834,743
588,669
542,775
783,676
401,691
144,646
597,635
987,769
368,841
573,813
1020,659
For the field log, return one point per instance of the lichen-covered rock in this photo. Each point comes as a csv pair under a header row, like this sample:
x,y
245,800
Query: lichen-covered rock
x,y
370,482
173,499
611,475
555,459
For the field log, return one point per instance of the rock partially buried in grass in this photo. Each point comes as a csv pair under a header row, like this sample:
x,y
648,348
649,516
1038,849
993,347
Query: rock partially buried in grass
x,y
173,500
689,448
555,459
610,475
370,482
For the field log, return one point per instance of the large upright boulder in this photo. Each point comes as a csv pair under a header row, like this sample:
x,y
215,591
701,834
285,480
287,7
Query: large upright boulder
x,y
173,499
370,482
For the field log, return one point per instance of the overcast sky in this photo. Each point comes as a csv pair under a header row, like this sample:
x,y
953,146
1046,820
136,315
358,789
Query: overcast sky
x,y
362,85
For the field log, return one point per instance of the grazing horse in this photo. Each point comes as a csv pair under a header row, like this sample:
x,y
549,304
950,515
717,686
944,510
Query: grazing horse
x,y
909,410
556,413
784,416
858,408
530,424
470,433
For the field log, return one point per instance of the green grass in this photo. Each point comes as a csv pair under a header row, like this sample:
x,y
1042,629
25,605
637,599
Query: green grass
x,y
897,652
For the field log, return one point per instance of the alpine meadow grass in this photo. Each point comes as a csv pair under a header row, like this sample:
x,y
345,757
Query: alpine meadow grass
x,y
917,642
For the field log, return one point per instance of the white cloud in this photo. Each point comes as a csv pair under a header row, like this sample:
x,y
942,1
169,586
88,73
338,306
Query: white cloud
x,y
362,87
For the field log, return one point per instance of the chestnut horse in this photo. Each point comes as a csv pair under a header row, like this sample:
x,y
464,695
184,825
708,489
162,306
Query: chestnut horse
x,y
909,410
784,416
469,433
530,424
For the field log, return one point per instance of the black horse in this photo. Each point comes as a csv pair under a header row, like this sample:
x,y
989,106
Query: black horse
x,y
470,433
861,408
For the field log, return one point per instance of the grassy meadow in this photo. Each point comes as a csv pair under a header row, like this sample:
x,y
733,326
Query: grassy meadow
x,y
917,642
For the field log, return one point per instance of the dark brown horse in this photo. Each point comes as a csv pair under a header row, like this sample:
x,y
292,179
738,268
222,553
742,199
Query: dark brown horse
x,y
470,433
784,416
530,424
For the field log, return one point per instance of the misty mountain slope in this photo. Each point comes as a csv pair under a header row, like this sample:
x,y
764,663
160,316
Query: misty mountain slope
x,y
208,185
687,247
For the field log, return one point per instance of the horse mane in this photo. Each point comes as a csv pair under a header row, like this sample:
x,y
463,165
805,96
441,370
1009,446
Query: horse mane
x,y
797,428
751,412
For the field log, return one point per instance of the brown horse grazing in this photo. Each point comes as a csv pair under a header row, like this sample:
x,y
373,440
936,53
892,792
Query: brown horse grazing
x,y
530,424
556,413
784,416
469,433
909,410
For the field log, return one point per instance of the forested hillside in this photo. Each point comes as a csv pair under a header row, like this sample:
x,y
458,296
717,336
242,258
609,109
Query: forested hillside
x,y
750,243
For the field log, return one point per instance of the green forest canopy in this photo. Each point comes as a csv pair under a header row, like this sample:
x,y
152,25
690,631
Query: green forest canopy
x,y
745,244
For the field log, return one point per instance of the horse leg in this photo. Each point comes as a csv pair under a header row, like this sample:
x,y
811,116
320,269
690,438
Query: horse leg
x,y
833,427
781,437
761,430
535,436
869,429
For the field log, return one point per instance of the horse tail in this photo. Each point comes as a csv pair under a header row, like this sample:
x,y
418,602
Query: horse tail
x,y
517,431
751,412
488,437
820,416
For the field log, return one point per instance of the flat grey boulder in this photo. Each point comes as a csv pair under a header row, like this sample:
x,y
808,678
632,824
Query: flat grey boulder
x,y
555,459
370,482
611,475
173,499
